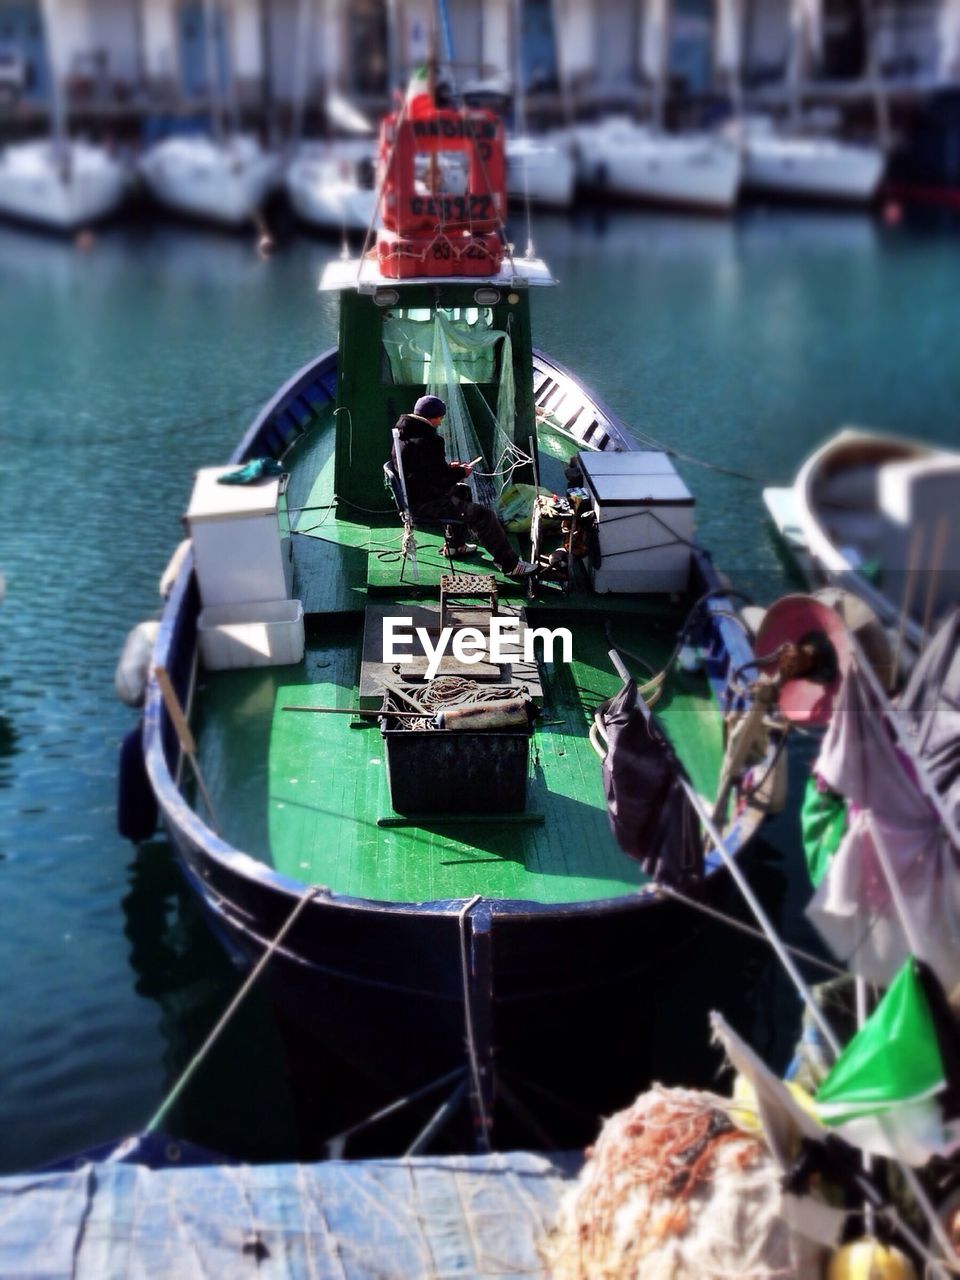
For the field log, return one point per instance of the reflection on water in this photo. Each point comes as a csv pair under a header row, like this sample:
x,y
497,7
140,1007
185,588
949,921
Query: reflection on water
x,y
740,343
9,735
238,1102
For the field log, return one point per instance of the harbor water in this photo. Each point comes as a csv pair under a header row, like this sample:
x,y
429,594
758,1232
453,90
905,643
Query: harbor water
x,y
741,344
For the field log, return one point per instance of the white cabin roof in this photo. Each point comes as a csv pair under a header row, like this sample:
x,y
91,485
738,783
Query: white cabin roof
x,y
366,277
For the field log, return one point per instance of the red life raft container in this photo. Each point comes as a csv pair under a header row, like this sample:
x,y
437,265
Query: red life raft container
x,y
455,254
428,230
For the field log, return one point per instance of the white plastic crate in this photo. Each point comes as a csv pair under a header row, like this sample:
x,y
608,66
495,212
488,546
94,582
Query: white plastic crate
x,y
263,633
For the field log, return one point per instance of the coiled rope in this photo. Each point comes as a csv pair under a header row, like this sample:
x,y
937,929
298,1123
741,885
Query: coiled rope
x,y
450,691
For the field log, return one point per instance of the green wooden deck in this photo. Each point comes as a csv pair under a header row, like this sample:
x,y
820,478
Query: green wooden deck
x,y
308,793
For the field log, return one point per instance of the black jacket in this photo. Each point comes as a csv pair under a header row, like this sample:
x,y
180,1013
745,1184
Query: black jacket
x,y
426,471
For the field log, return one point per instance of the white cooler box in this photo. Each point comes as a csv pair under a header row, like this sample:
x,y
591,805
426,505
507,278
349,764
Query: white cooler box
x,y
263,633
644,521
241,544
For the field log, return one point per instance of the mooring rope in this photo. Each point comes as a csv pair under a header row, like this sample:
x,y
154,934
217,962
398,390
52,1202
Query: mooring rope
x,y
468,1019
807,956
308,895
336,1145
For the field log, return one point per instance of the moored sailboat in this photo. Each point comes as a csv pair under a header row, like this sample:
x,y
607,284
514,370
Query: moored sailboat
x,y
325,186
60,184
222,180
622,159
781,158
223,177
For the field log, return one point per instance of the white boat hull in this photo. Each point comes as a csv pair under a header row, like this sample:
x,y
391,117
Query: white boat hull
x,y
843,524
325,200
696,170
541,172
226,183
63,191
812,168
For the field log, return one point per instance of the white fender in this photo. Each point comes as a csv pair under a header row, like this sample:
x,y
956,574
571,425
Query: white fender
x,y
133,667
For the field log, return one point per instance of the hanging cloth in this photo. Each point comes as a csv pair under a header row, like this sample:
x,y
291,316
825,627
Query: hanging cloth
x,y
650,816
853,909
931,706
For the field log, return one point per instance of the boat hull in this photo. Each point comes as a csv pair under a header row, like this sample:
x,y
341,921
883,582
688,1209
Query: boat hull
x,y
329,206
44,195
546,175
689,172
798,169
810,526
210,184
411,995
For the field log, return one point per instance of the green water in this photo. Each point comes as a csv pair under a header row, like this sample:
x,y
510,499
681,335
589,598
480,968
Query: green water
x,y
125,369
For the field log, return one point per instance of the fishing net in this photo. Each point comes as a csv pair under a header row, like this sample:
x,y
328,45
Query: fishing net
x,y
448,350
674,1190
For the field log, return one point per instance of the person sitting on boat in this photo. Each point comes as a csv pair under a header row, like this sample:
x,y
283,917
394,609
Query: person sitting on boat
x,y
435,487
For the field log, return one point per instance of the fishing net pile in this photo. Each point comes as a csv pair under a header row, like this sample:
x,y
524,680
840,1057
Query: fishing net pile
x,y
674,1190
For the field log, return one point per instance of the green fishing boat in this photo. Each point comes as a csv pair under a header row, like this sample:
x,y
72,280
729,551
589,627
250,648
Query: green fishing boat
x,y
418,844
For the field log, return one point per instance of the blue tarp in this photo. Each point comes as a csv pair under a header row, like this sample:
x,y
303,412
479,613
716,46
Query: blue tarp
x,y
438,1217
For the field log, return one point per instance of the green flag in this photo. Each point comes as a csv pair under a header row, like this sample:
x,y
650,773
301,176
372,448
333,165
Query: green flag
x,y
881,1093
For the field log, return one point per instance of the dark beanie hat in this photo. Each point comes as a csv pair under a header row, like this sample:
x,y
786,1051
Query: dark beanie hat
x,y
430,407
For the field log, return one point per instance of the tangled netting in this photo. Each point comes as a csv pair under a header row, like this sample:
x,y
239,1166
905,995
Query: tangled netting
x,y
442,693
674,1190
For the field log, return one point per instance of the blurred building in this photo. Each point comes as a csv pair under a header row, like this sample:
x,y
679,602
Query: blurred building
x,y
568,55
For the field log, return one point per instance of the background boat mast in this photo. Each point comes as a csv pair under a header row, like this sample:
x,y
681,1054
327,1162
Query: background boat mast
x,y
881,106
213,78
559,12
806,32
655,36
727,47
58,104
301,67
519,86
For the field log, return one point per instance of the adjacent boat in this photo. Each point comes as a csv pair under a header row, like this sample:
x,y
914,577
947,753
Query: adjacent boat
x,y
331,188
217,180
448,908
618,157
540,170
778,162
60,186
877,514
